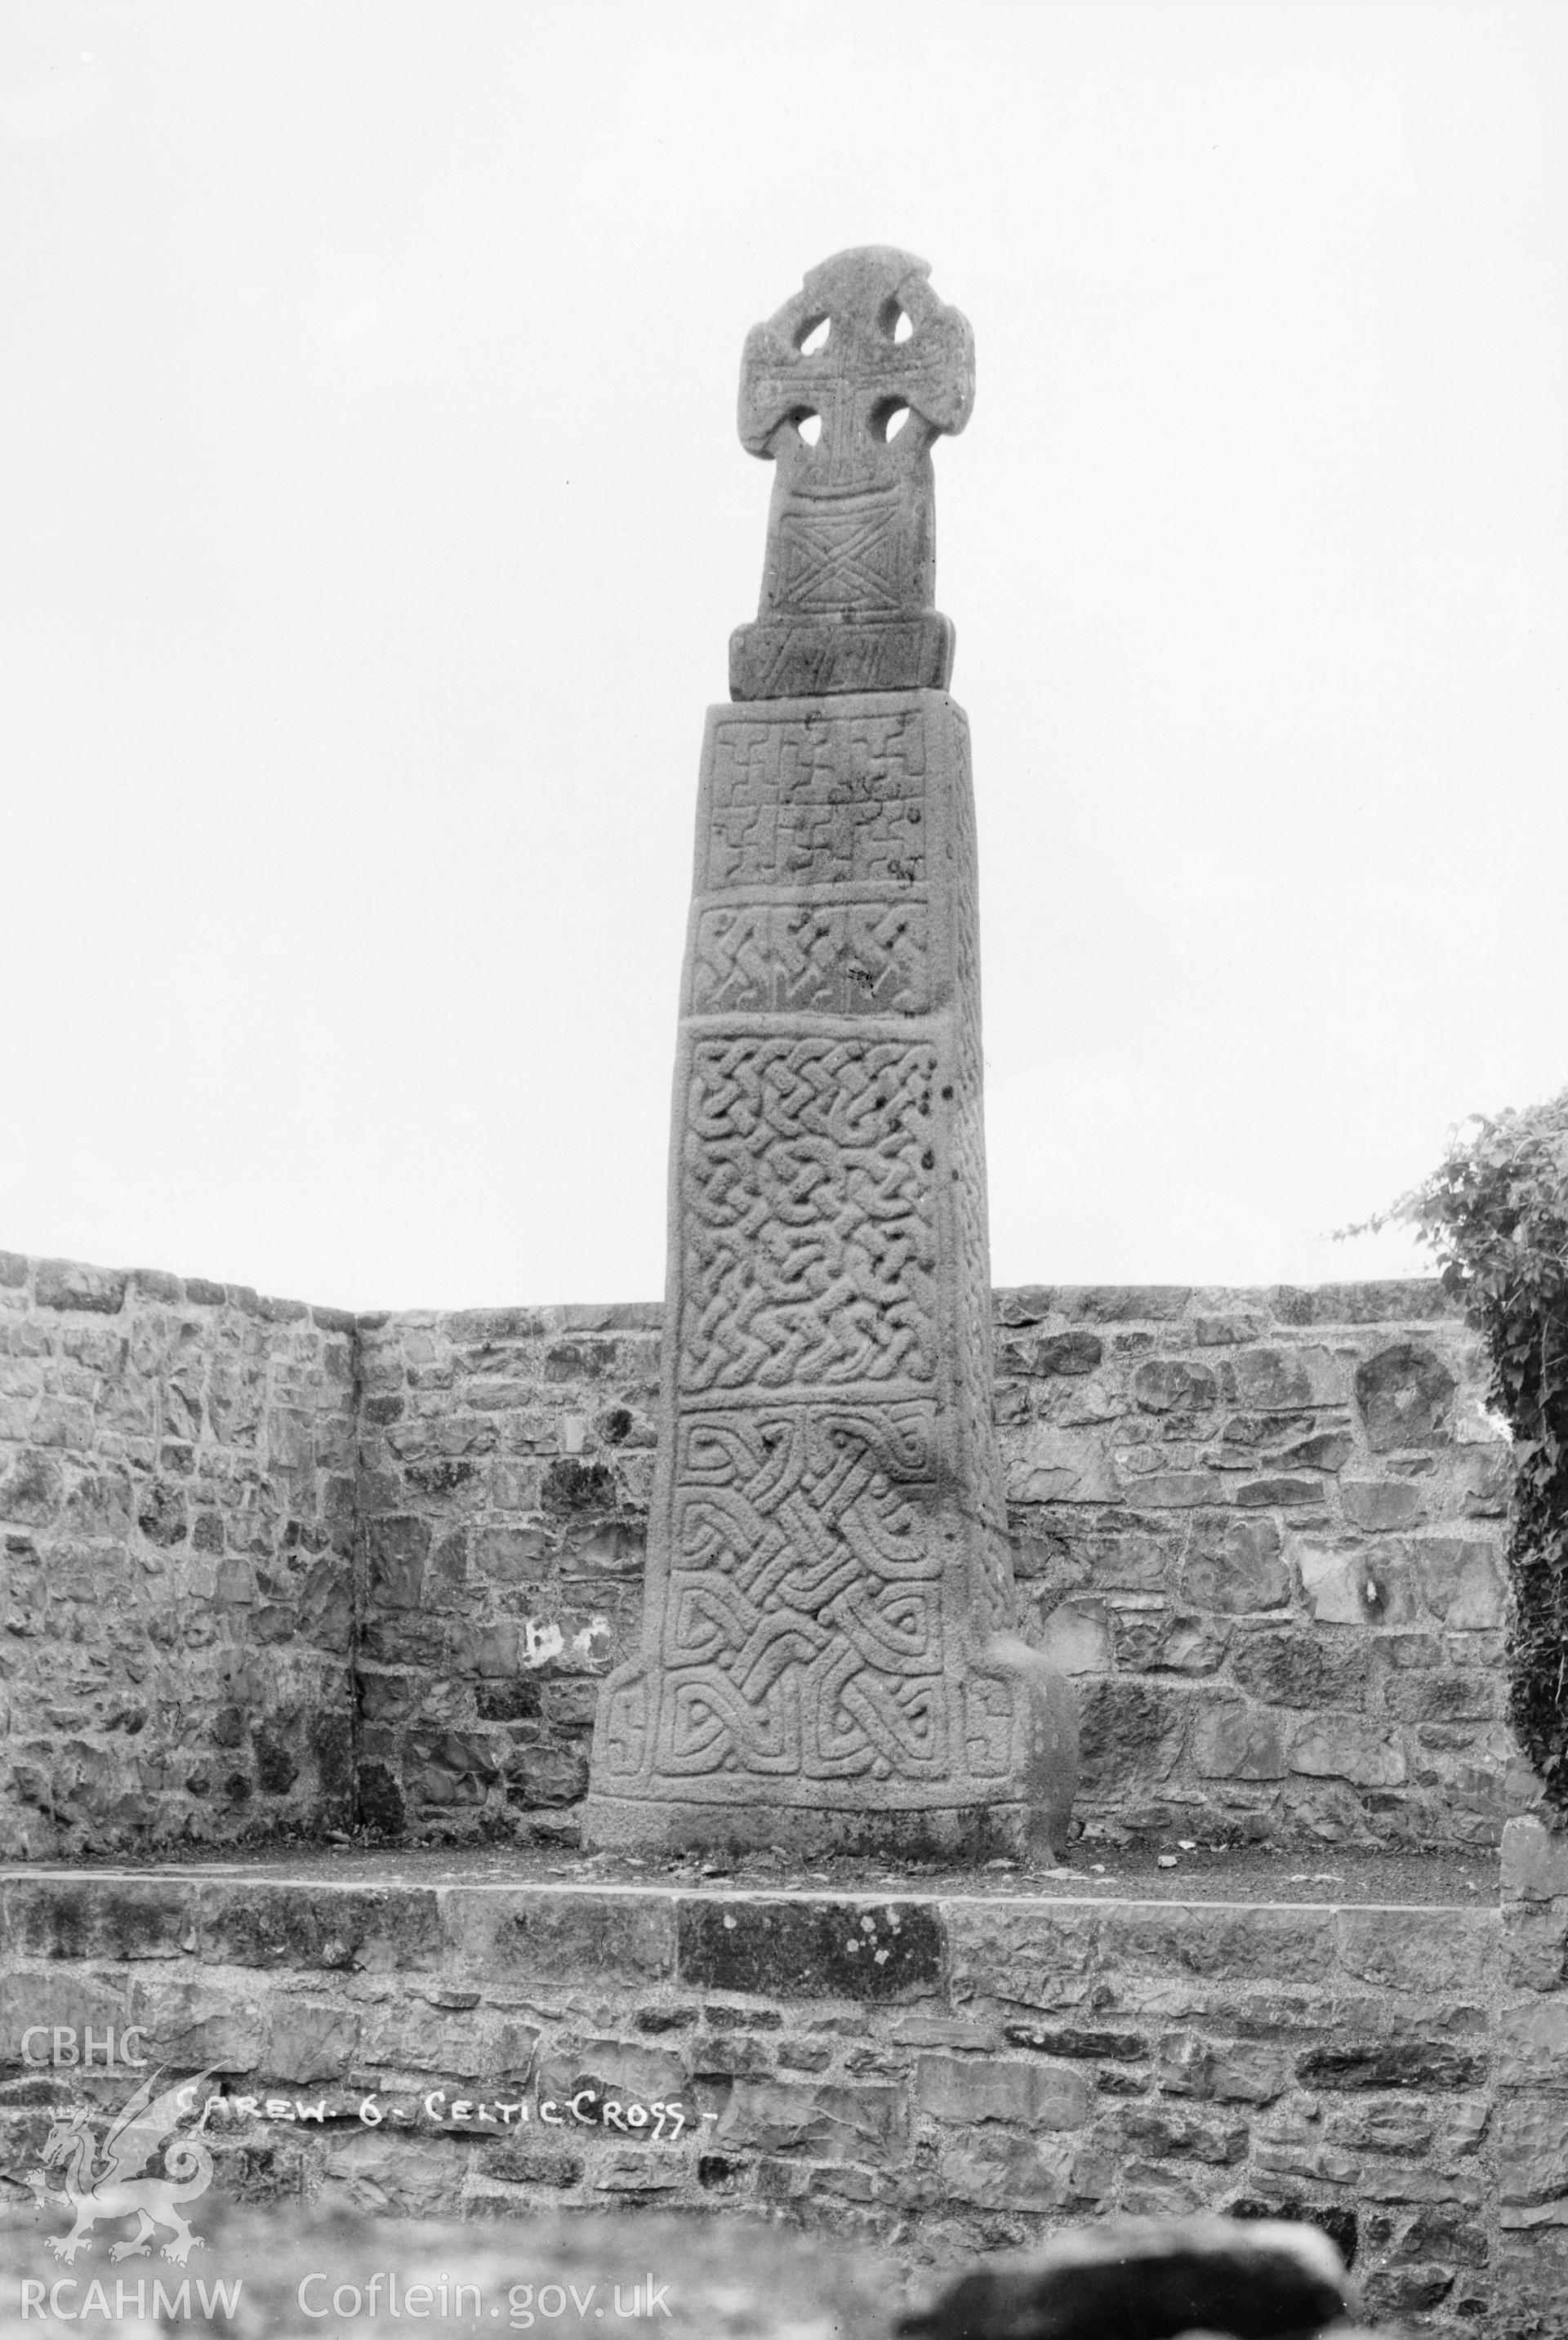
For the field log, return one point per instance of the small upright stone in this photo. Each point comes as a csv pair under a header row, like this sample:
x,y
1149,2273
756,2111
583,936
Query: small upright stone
x,y
827,1570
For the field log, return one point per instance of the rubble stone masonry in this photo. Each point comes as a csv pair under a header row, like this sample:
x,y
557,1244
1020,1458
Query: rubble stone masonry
x,y
176,1533
1262,1530
938,2073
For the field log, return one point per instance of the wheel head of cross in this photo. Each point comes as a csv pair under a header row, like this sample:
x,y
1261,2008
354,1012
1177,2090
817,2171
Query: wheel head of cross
x,y
844,390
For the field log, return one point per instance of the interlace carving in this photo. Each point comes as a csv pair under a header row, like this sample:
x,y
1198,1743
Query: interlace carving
x,y
827,1553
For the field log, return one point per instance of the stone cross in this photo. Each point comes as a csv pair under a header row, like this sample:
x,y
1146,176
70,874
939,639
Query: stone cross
x,y
848,411
825,1660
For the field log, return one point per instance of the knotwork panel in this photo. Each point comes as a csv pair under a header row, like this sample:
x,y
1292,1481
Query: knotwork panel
x,y
817,801
802,1628
840,958
807,1218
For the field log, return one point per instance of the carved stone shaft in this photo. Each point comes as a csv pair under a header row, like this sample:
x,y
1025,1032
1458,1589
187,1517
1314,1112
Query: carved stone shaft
x,y
827,1567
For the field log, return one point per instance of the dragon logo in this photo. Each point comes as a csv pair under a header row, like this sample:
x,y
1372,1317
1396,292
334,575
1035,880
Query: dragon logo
x,y
117,2187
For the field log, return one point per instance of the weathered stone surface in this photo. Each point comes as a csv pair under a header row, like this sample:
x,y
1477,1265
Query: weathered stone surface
x,y
821,2122
1461,1580
827,1554
1241,2072
1397,2064
65,1284
1445,1957
1234,1565
848,583
1382,1503
1297,1669
1535,1861
1238,1742
1078,1636
1406,1395
1357,1588
1344,1747
1048,1777
998,2171
556,1937
1128,1730
485,1408
984,2089
874,1950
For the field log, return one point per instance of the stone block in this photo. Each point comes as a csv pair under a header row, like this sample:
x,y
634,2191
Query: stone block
x,y
1049,1778
1262,1942
1461,1579
1129,1733
1391,2064
310,2040
1406,1396
1284,1379
984,2089
557,1936
1071,1354
1343,1747
1442,1953
1233,1741
1078,1636
1071,2040
1124,1303
399,1547
1355,1587
411,2177
200,2025
1240,2072
1168,2134
66,1284
1532,2150
373,1929
91,1918
1174,1385
1533,2043
793,1950
999,2171
1159,1642
1172,1490
1062,1466
820,2122
1292,1668
1028,1954
1378,1504
1235,1565
1535,1861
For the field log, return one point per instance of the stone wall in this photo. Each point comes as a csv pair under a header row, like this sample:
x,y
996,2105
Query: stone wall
x,y
1264,1529
940,2075
1267,1530
506,1468
1533,2066
177,1523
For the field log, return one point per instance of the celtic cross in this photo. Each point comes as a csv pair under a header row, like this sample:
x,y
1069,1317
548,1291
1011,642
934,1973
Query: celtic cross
x,y
845,390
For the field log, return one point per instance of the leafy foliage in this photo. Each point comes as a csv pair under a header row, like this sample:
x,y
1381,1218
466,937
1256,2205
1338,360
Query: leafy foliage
x,y
1495,1213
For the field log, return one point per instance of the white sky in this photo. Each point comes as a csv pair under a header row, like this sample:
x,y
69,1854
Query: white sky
x,y
375,523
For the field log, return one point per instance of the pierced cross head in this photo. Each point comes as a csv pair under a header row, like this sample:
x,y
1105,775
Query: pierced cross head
x,y
845,389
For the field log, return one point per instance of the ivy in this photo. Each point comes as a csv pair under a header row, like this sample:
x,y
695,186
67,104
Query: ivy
x,y
1495,1213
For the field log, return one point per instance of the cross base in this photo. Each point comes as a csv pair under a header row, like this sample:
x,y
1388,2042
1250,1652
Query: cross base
x,y
960,1832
